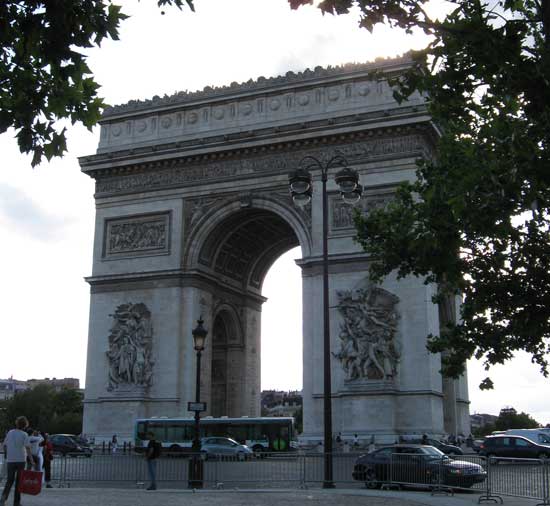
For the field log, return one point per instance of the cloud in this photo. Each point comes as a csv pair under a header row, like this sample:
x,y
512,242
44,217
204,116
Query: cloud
x,y
22,216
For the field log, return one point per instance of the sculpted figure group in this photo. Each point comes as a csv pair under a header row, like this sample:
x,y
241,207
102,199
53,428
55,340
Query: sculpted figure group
x,y
130,343
368,348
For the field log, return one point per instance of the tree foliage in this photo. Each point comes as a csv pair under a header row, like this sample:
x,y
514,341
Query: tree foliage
x,y
44,77
46,410
512,420
475,222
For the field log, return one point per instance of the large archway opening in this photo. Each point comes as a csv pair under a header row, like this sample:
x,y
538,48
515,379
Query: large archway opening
x,y
282,343
237,253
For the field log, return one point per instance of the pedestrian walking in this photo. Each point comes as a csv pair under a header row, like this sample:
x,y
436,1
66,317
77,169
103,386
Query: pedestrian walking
x,y
17,449
114,443
153,453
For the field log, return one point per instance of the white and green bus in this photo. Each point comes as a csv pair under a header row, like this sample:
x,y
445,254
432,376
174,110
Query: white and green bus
x,y
262,434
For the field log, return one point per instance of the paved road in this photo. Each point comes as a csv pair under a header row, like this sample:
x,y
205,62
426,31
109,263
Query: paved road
x,y
114,497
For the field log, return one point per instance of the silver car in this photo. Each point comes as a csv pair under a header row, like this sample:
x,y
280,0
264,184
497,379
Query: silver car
x,y
224,447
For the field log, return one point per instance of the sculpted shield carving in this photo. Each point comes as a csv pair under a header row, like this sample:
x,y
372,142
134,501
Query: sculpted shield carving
x,y
368,346
130,347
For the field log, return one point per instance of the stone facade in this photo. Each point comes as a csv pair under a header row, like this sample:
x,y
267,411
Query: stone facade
x,y
193,208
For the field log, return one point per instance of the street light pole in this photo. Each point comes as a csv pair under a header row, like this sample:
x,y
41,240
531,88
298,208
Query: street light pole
x,y
301,191
196,465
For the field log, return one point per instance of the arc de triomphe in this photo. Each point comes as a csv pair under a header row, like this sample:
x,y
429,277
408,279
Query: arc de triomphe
x,y
192,209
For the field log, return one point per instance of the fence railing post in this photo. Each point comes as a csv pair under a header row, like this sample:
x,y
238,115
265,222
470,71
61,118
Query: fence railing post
x,y
302,467
545,463
488,496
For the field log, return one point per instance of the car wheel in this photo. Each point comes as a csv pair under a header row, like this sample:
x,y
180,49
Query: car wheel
x,y
493,457
258,451
370,479
240,456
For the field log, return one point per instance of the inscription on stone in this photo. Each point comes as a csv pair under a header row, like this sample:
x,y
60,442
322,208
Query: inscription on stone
x,y
142,235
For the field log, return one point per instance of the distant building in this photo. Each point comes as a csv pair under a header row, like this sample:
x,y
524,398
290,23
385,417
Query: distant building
x,y
280,403
9,387
57,384
480,420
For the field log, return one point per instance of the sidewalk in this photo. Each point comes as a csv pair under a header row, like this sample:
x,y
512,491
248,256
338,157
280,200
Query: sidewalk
x,y
315,497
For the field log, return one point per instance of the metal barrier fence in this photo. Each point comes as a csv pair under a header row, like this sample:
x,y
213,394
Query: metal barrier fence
x,y
491,479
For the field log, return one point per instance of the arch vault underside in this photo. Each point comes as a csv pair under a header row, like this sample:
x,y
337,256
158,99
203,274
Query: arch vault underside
x,y
193,208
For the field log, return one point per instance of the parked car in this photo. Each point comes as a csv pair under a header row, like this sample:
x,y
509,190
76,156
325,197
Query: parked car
x,y
446,448
476,445
66,444
224,447
541,436
504,445
412,464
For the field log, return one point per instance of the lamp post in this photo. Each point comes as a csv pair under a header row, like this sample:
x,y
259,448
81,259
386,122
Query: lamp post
x,y
196,464
301,191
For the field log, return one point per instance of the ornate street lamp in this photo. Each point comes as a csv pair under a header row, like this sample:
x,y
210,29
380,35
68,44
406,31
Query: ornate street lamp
x,y
301,191
196,464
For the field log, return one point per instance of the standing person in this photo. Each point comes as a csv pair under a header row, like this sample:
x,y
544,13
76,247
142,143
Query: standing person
x,y
153,453
17,449
47,452
36,450
114,443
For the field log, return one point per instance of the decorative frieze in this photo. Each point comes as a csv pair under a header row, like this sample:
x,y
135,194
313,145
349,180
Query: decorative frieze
x,y
182,174
368,347
342,213
137,236
130,349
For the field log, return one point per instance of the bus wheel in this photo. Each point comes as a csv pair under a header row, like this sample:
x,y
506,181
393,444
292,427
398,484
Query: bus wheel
x,y
175,449
259,451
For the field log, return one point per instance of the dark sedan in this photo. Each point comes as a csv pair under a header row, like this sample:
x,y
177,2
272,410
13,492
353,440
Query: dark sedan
x,y
415,464
66,444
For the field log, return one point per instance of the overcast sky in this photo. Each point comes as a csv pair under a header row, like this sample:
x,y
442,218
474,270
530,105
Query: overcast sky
x,y
47,214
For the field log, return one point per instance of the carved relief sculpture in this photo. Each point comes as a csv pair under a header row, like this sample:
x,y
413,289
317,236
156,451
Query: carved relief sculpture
x,y
368,346
137,236
130,348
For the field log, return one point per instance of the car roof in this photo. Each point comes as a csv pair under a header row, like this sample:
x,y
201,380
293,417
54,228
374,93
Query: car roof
x,y
500,436
406,445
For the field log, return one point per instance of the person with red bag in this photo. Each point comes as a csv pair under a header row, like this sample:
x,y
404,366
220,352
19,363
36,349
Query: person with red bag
x,y
17,449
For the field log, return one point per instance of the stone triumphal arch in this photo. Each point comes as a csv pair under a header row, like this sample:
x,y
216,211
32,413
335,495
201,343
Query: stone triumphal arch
x,y
193,208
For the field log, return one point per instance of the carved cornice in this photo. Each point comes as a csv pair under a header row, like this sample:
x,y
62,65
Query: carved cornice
x,y
360,147
261,83
169,278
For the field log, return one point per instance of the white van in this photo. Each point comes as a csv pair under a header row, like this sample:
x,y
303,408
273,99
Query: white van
x,y
540,436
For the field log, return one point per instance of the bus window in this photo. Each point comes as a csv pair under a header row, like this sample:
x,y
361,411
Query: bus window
x,y
141,431
158,429
176,432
